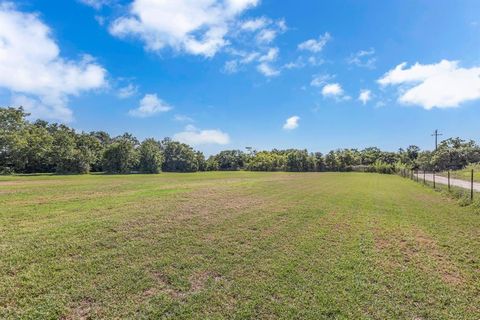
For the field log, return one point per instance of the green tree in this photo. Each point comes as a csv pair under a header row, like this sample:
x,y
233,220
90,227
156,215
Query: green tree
x,y
455,153
231,160
202,163
266,161
331,163
64,154
319,162
298,161
12,138
120,156
150,156
178,157
211,164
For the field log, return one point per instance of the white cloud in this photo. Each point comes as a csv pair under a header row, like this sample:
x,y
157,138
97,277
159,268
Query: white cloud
x,y
267,70
195,137
294,64
332,90
291,123
440,85
265,67
320,80
266,36
33,70
100,20
264,61
255,24
270,56
97,4
182,118
150,105
363,58
192,26
314,45
127,92
365,96
231,66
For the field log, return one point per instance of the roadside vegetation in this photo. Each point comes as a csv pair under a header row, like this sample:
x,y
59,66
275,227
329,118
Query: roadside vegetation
x,y
466,173
238,245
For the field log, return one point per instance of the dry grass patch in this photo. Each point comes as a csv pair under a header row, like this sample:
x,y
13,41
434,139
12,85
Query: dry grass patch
x,y
415,248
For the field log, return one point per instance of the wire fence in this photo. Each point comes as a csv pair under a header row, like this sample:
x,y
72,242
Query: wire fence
x,y
445,181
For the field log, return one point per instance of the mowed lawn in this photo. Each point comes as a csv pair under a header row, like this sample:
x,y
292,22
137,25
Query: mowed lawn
x,y
235,245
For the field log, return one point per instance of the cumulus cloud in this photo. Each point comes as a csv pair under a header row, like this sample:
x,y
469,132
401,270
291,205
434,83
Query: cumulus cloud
x,y
291,123
195,137
267,70
32,69
363,58
191,26
335,91
332,90
365,96
150,105
315,45
441,85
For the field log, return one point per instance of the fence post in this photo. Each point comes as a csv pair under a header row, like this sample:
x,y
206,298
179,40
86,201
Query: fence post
x,y
424,178
434,179
448,180
471,186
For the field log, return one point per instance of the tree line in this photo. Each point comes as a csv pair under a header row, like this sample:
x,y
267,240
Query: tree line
x,y
42,147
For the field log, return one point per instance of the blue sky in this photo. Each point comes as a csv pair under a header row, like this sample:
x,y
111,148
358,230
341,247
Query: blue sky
x,y
223,74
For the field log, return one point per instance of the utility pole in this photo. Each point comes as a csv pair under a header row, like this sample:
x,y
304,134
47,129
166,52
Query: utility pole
x,y
436,135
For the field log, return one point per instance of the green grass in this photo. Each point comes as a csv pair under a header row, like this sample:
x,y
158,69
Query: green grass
x,y
465,174
236,245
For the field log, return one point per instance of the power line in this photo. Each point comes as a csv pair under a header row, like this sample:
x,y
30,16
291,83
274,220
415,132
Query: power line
x,y
436,134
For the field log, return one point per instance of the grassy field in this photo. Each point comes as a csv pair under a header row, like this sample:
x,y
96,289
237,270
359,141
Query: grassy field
x,y
466,174
235,245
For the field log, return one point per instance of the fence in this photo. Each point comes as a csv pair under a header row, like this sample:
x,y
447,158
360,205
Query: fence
x,y
442,180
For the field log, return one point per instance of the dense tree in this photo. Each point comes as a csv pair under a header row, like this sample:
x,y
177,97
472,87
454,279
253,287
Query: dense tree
x,y
331,163
36,154
211,164
202,163
178,157
455,153
318,161
298,161
231,160
64,154
27,147
370,155
150,156
120,156
266,161
12,138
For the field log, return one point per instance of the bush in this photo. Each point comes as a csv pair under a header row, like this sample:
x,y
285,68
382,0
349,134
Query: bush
x,y
381,167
